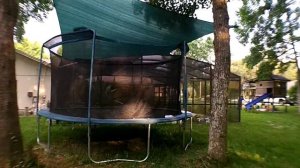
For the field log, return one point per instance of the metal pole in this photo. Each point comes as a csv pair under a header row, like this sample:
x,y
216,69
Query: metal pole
x,y
49,133
90,94
38,118
185,94
184,90
191,138
37,98
240,101
205,96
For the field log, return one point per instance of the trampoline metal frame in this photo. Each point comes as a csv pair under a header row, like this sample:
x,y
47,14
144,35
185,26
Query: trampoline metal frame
x,y
89,119
147,122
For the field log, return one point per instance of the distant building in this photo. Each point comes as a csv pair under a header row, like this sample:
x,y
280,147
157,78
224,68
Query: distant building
x,y
291,84
276,85
248,89
27,77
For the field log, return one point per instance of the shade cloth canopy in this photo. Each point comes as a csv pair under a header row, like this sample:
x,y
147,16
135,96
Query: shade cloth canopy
x,y
129,27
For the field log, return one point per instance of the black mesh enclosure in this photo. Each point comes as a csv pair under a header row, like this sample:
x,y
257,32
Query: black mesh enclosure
x,y
199,75
122,87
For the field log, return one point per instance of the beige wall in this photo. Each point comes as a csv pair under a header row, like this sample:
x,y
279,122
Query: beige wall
x,y
27,76
261,87
277,88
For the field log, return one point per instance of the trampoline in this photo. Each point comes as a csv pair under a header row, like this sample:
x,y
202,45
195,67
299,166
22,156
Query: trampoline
x,y
120,90
115,66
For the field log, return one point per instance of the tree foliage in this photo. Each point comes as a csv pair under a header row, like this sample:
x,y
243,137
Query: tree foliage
x,y
31,48
292,92
184,7
36,9
271,29
290,73
239,68
201,49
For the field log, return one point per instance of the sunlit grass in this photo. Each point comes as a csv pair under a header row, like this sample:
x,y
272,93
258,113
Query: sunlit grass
x,y
261,139
272,137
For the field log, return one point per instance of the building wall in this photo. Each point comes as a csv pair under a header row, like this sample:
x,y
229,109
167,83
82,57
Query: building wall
x,y
277,88
27,77
291,84
248,90
280,89
262,87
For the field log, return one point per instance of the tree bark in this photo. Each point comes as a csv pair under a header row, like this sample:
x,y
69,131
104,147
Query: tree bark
x,y
217,147
11,147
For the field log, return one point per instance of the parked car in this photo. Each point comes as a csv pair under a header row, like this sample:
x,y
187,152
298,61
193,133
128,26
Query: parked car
x,y
279,101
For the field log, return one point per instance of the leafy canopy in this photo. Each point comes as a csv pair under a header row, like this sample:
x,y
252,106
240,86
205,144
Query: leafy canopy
x,y
201,49
239,68
292,92
31,48
271,28
184,7
36,9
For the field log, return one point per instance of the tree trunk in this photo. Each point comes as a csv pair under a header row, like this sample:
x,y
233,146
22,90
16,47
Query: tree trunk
x,y
217,147
11,148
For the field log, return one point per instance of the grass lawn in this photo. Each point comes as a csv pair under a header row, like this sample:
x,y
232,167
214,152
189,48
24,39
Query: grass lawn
x,y
262,139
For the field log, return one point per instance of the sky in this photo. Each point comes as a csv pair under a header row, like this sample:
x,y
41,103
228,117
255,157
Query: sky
x,y
238,51
42,31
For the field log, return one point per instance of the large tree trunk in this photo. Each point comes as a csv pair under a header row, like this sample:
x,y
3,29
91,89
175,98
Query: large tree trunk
x,y
11,148
217,147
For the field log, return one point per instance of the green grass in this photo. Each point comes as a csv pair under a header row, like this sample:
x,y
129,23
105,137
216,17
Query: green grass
x,y
265,139
262,139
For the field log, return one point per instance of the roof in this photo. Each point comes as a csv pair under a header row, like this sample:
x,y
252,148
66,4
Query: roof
x,y
278,77
46,63
129,27
234,77
271,78
203,70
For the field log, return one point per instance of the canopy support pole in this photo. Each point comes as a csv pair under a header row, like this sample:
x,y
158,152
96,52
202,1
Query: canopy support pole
x,y
38,96
90,95
185,99
38,118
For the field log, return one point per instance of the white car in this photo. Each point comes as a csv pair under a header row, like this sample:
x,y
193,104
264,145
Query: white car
x,y
278,101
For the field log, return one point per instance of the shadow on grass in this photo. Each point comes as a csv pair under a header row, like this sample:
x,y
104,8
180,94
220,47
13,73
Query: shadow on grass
x,y
69,145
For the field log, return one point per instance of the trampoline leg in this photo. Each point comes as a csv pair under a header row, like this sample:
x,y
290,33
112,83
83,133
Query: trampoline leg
x,y
45,146
38,118
184,145
49,133
183,133
191,138
124,160
148,143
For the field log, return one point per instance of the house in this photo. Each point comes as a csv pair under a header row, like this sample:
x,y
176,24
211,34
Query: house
x,y
27,68
276,85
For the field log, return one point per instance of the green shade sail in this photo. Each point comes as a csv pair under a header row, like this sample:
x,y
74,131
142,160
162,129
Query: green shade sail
x,y
129,27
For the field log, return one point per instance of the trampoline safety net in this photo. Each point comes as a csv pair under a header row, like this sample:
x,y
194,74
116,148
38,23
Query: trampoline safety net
x,y
122,87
